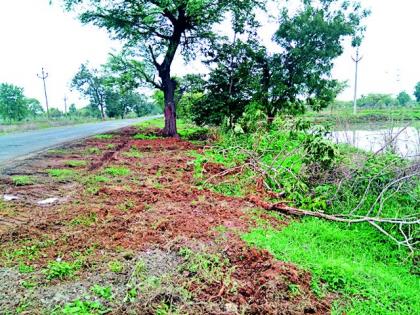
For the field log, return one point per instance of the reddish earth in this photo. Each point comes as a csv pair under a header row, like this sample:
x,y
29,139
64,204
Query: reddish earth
x,y
156,206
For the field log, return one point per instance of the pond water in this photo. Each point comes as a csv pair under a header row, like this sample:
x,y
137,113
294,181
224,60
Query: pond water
x,y
404,141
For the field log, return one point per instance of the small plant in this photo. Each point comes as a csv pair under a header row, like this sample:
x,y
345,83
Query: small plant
x,y
133,153
22,180
294,290
116,266
79,307
103,292
85,220
126,206
110,146
93,150
76,163
104,137
62,174
117,171
60,270
141,136
58,151
23,268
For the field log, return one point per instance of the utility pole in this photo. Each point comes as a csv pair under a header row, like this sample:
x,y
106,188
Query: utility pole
x,y
356,61
65,105
43,77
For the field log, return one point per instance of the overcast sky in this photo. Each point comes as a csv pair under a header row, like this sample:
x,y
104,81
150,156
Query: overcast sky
x,y
35,34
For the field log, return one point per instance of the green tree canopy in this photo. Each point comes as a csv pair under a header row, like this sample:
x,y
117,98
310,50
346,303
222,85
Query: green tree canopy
x,y
403,98
156,30
12,102
34,107
92,84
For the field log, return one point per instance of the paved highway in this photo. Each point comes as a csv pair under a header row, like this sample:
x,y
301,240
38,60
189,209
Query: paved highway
x,y
18,145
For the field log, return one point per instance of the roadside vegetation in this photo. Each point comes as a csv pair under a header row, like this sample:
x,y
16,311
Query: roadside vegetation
x,y
241,205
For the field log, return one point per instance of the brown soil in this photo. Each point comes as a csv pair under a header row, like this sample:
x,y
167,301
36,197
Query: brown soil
x,y
156,207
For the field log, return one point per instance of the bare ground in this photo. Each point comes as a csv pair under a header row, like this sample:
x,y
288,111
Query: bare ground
x,y
160,243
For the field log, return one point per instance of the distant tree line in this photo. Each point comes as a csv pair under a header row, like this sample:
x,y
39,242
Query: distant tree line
x,y
378,100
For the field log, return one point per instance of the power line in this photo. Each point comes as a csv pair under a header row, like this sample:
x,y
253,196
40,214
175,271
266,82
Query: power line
x,y
356,60
43,77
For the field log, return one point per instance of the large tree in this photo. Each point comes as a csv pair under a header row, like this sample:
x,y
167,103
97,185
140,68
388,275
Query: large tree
x,y
157,30
12,102
92,84
403,98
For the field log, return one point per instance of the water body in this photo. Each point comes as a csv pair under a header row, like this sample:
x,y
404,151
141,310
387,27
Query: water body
x,y
405,141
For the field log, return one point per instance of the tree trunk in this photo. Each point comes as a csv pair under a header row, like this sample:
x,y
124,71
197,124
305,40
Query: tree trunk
x,y
169,86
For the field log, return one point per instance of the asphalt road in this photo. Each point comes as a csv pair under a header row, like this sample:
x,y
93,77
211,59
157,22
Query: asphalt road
x,y
19,145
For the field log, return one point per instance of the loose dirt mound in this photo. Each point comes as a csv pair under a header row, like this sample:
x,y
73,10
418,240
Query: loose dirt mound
x,y
137,198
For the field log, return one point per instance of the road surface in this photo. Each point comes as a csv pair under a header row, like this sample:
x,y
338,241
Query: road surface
x,y
18,145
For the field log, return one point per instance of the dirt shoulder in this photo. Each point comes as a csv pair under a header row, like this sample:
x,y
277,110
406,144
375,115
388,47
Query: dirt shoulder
x,y
116,225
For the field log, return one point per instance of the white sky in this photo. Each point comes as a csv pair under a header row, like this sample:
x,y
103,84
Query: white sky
x,y
35,34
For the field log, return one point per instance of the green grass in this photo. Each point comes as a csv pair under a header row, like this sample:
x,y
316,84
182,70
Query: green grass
x,y
116,266
61,269
62,174
79,307
117,171
371,274
23,180
133,153
85,220
76,163
141,136
104,137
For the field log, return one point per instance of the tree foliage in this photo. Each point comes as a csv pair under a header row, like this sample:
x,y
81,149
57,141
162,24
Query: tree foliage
x,y
403,98
156,30
13,105
298,76
91,84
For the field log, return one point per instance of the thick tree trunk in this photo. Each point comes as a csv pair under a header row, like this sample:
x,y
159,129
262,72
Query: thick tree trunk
x,y
169,86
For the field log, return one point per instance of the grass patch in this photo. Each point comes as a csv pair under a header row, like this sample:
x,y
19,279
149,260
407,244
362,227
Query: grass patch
x,y
104,137
85,220
141,136
93,151
116,171
62,174
61,269
76,163
369,272
23,180
133,153
79,307
116,266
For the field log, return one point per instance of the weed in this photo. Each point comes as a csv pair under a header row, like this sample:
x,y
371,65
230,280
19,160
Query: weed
x,y
209,268
58,151
116,266
104,137
85,220
76,163
23,180
126,206
111,146
79,307
294,290
23,268
103,292
93,150
30,250
61,269
116,171
141,136
62,174
133,153
29,284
